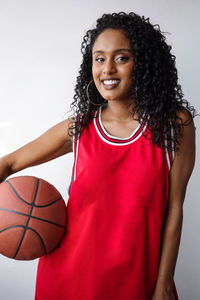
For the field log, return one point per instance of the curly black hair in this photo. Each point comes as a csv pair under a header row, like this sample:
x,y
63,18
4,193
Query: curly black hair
x,y
155,87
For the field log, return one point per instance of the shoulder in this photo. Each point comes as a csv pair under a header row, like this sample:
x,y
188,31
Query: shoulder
x,y
68,126
184,117
184,158
188,129
186,142
62,131
65,124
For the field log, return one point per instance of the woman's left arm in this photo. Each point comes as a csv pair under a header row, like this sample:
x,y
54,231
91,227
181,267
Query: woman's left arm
x,y
179,175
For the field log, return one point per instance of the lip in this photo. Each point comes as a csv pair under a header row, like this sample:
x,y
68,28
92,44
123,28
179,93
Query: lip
x,y
107,78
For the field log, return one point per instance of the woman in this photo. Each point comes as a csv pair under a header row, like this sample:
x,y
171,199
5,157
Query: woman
x,y
134,151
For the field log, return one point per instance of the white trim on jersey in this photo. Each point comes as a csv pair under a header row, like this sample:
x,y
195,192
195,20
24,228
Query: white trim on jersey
x,y
172,134
111,136
74,134
73,173
167,151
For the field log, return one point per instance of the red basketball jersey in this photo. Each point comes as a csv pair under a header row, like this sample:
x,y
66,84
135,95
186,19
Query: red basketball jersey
x,y
115,213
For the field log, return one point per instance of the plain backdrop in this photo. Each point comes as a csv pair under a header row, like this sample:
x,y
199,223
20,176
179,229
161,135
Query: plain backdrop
x,y
39,62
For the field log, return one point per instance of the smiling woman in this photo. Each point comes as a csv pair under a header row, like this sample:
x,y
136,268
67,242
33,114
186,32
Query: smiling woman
x,y
114,61
131,134
126,194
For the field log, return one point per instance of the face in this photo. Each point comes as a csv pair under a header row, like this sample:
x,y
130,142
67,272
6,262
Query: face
x,y
112,59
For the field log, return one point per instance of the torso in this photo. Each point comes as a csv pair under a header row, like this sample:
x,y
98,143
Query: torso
x,y
111,248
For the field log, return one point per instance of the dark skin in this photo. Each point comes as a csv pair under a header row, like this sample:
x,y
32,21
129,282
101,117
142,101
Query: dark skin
x,y
116,118
179,176
111,62
56,142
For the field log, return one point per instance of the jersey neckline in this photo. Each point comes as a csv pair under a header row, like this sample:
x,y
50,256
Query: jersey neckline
x,y
114,140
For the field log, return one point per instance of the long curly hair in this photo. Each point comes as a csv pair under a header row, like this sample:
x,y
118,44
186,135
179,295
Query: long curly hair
x,y
155,87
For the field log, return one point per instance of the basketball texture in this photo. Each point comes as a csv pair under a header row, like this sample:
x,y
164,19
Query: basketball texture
x,y
32,217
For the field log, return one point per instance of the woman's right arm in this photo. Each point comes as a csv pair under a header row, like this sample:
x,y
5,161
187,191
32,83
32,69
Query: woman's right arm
x,y
51,144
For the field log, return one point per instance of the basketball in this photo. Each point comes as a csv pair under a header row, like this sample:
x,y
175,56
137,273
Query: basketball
x,y
32,217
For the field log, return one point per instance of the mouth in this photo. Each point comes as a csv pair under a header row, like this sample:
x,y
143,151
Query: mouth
x,y
110,83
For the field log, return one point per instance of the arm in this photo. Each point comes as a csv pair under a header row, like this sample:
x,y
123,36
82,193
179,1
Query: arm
x,y
178,178
50,145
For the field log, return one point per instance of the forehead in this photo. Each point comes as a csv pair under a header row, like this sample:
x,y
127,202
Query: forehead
x,y
111,39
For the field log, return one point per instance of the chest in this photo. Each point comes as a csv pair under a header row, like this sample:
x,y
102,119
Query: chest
x,y
138,168
120,129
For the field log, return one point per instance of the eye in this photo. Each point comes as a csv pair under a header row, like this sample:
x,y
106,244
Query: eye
x,y
122,58
97,59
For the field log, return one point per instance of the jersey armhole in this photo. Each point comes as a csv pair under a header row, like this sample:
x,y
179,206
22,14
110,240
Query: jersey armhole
x,y
74,139
75,153
169,153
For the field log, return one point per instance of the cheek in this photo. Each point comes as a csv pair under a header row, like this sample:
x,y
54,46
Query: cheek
x,y
95,73
129,72
93,70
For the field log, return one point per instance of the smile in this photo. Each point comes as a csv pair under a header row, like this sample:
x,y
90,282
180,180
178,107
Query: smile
x,y
109,84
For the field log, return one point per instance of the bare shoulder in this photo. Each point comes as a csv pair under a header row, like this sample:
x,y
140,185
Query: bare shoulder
x,y
185,117
60,136
187,142
184,159
69,124
65,129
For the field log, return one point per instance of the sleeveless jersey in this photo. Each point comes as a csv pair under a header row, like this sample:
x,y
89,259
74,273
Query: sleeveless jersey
x,y
115,212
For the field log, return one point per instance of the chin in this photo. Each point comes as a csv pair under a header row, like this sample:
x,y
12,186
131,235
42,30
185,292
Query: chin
x,y
108,98
112,97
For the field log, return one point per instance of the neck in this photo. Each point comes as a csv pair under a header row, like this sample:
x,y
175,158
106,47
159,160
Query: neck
x,y
118,111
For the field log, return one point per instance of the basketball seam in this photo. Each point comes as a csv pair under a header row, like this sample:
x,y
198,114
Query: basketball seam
x,y
31,204
34,217
26,226
23,226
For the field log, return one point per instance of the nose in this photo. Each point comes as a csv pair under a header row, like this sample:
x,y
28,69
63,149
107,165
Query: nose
x,y
109,67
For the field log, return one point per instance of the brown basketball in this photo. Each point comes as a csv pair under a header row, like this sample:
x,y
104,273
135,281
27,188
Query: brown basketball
x,y
32,217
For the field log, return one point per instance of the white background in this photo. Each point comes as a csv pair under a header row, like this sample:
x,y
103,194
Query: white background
x,y
39,61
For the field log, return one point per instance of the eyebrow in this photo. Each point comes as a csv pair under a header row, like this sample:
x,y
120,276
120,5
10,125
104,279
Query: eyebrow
x,y
118,50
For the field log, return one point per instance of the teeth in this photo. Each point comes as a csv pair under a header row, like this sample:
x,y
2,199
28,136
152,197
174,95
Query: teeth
x,y
109,82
